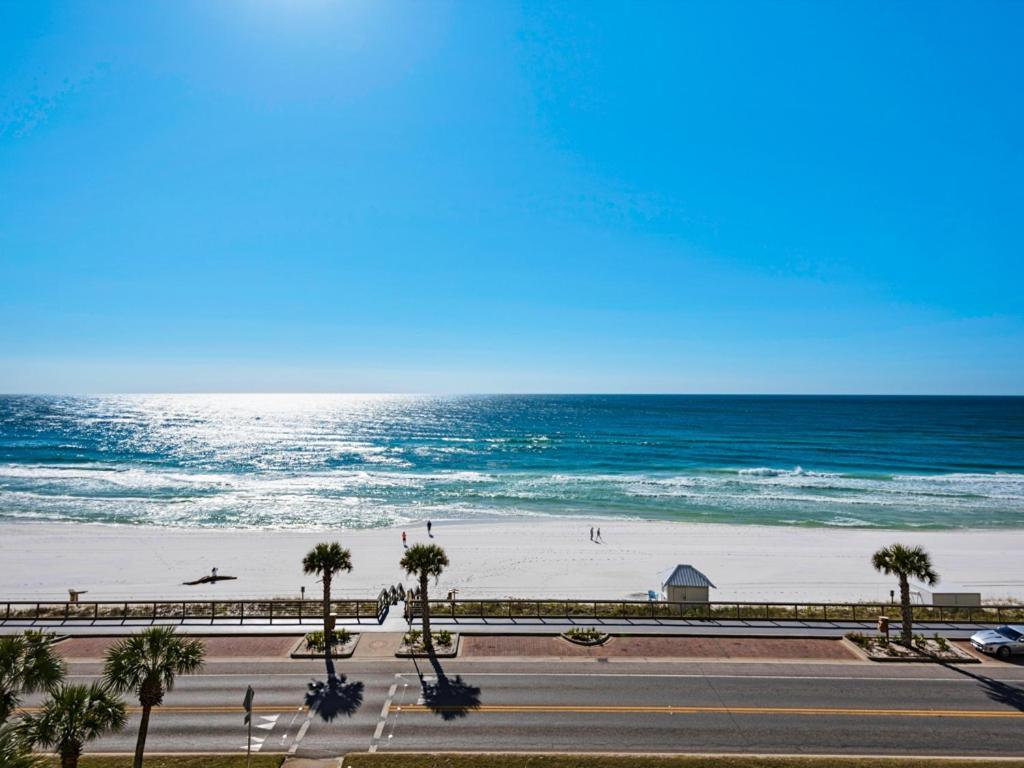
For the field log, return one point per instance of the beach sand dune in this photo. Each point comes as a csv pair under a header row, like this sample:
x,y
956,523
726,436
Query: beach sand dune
x,y
521,558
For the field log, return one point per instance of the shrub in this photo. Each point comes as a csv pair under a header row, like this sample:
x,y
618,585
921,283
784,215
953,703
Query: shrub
x,y
412,637
315,640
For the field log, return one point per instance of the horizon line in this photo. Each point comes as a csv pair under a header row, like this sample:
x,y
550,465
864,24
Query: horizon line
x,y
503,394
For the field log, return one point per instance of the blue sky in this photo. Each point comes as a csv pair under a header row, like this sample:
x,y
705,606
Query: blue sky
x,y
484,196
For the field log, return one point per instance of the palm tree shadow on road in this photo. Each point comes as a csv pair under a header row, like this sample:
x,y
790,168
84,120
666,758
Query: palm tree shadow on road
x,y
996,690
335,696
450,698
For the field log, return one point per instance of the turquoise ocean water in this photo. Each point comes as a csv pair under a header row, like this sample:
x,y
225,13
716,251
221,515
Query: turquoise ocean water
x,y
360,461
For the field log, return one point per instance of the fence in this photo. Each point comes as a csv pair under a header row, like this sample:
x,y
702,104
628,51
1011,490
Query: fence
x,y
638,609
181,610
376,610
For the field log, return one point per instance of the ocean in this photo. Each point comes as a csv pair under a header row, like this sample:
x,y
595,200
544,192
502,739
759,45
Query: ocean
x,y
290,461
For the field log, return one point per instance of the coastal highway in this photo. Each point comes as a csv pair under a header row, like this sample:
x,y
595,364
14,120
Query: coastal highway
x,y
757,707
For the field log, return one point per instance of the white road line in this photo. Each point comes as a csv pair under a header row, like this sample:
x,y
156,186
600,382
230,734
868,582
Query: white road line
x,y
284,736
304,727
301,734
681,675
270,722
735,677
384,710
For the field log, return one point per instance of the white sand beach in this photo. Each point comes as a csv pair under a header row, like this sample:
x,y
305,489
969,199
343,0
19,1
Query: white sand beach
x,y
522,558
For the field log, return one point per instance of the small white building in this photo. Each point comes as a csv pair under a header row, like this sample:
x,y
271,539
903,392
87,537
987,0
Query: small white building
x,y
947,596
685,584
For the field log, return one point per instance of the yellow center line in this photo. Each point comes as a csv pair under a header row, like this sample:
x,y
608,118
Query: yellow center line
x,y
673,710
194,709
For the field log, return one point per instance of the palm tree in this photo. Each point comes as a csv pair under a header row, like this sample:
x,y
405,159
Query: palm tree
x,y
146,665
28,664
73,716
425,560
904,562
325,560
16,747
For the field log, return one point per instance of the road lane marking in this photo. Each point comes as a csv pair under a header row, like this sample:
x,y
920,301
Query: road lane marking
x,y
302,731
668,675
384,711
697,675
257,744
284,736
677,710
269,722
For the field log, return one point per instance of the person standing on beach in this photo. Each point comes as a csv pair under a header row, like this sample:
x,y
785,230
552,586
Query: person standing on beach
x,y
429,526
403,539
591,533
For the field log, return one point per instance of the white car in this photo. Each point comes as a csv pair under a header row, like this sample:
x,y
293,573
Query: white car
x,y
1001,641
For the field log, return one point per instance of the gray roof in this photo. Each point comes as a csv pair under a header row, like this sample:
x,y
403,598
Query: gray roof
x,y
687,576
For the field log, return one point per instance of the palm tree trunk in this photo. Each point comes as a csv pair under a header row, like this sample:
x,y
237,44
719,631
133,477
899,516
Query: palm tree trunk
x,y
140,743
428,641
69,756
328,631
908,613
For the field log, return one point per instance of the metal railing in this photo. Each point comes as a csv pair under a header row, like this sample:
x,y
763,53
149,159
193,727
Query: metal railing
x,y
384,601
643,609
269,610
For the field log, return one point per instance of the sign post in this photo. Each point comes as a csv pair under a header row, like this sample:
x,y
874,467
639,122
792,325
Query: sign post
x,y
247,703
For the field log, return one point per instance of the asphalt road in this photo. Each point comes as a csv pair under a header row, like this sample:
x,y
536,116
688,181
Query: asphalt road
x,y
819,708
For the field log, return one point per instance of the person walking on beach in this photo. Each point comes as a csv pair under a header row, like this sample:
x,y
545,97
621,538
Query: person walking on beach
x,y
598,538
591,533
429,526
404,544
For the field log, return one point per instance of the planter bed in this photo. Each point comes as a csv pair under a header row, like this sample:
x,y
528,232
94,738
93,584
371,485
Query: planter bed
x,y
341,650
450,651
928,651
589,642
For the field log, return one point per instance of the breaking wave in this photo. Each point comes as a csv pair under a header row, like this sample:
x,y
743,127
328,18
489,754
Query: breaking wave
x,y
359,498
363,461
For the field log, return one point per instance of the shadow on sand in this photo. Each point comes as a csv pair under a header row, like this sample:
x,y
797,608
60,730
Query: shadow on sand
x,y
335,696
451,698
